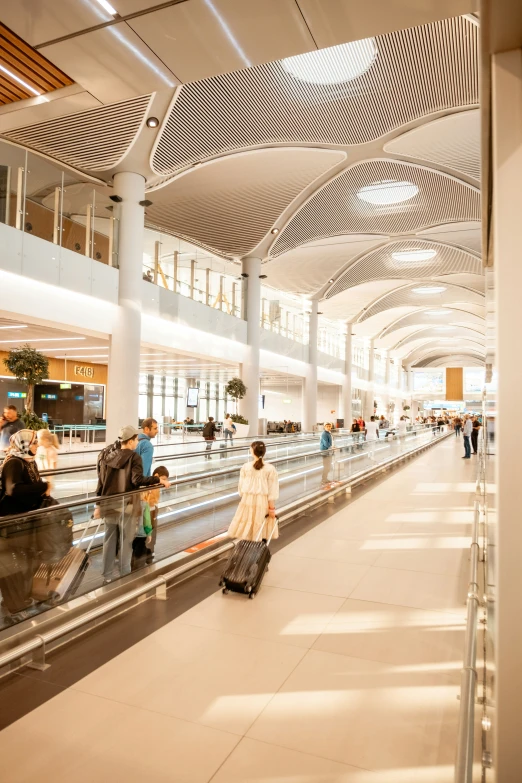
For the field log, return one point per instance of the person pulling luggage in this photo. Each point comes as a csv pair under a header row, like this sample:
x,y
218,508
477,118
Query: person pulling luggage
x,y
258,490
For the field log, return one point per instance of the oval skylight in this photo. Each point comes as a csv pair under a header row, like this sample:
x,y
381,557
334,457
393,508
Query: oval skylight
x,y
334,65
429,289
413,256
387,191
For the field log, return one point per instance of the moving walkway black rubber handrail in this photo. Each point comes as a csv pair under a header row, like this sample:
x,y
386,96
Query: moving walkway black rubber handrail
x,y
14,519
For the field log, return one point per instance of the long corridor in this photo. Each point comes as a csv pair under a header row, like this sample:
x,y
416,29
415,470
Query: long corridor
x,y
345,668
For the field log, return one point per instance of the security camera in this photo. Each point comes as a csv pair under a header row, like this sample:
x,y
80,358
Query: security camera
x,y
145,203
244,274
117,199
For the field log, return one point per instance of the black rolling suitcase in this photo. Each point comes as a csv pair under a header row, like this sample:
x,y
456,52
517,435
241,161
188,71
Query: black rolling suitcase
x,y
247,565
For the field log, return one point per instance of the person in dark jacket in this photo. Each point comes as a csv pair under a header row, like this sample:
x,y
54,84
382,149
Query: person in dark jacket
x,y
22,491
209,433
121,470
9,424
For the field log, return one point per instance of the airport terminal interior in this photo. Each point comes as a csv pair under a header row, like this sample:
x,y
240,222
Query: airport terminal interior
x,y
260,274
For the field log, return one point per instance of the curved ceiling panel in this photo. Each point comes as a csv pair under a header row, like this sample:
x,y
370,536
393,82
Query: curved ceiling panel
x,y
434,317
229,205
71,139
306,269
470,359
467,235
452,141
427,69
450,348
380,197
407,259
410,296
441,332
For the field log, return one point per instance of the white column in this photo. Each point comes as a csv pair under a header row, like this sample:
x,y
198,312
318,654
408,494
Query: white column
x,y
124,361
370,394
507,208
310,383
251,312
346,394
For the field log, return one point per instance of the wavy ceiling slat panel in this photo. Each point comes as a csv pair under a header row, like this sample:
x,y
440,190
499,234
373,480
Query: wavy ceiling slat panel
x,y
470,359
336,209
433,317
229,205
442,332
94,140
452,141
407,297
426,69
381,263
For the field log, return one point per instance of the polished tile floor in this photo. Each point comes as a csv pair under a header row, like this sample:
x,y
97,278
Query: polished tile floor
x,y
344,669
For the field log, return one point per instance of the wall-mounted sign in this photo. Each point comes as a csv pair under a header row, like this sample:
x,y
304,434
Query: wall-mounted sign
x,y
83,371
65,386
79,397
192,397
49,396
17,395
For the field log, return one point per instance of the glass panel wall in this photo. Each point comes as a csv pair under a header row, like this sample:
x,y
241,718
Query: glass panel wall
x,y
285,314
331,337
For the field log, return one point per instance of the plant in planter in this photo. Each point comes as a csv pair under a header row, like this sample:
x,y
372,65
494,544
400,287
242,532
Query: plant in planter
x,y
405,407
238,419
236,389
29,367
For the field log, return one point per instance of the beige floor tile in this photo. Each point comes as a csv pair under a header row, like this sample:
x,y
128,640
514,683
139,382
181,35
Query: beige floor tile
x,y
430,559
363,713
288,616
321,576
357,527
323,546
411,588
213,678
415,639
82,738
258,762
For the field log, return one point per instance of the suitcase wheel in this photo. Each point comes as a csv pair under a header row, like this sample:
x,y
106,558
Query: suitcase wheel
x,y
251,595
225,591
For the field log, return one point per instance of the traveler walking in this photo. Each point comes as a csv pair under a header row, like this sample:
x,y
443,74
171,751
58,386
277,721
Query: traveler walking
x,y
209,433
120,469
402,428
47,451
458,426
371,434
229,429
145,447
22,491
466,432
144,543
9,424
258,490
325,447
475,423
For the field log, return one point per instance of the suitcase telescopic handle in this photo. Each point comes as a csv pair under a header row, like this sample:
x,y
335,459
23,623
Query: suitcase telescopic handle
x,y
276,522
86,528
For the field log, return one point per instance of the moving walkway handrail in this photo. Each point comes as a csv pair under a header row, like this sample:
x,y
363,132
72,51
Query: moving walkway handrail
x,y
14,519
38,643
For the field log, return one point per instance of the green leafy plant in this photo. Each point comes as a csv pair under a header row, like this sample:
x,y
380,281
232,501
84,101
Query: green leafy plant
x,y
238,419
33,422
405,407
236,389
29,367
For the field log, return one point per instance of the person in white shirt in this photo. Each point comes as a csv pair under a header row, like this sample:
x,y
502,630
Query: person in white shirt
x,y
229,429
372,433
255,517
466,432
402,427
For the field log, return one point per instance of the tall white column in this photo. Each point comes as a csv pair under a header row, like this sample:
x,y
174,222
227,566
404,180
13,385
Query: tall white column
x,y
310,384
251,312
370,394
124,360
346,395
507,227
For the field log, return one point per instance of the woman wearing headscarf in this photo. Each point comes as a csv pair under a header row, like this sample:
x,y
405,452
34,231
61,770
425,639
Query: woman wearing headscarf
x,y
22,491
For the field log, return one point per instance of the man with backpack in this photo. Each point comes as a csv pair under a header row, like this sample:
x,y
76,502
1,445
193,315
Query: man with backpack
x,y
120,469
209,433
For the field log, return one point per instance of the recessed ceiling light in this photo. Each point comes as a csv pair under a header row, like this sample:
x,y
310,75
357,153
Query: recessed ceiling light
x,y
429,289
20,81
275,231
334,65
152,122
408,256
107,7
387,191
331,280
46,340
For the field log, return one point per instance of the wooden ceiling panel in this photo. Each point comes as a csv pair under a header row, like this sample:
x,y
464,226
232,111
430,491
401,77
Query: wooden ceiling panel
x,y
24,72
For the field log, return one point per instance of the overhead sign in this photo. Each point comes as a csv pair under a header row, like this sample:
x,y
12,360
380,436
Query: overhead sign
x,y
17,395
49,396
65,386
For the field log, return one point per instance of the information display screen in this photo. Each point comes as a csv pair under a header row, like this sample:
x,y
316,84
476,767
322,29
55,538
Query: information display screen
x,y
192,397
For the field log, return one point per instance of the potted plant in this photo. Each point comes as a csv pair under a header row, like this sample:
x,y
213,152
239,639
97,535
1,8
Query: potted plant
x,y
29,367
236,389
405,407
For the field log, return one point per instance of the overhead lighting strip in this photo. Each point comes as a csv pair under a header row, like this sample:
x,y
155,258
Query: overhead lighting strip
x,y
20,81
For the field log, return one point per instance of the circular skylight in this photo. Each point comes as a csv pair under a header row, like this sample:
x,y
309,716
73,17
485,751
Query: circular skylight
x,y
414,256
334,65
429,289
388,191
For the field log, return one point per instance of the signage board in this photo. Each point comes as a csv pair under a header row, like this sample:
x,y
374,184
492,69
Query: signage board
x,y
65,386
17,395
49,396
83,371
192,397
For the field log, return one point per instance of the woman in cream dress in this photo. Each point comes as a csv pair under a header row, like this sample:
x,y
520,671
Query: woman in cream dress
x,y
258,490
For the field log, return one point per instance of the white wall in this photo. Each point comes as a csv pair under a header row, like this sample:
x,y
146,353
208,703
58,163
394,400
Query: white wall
x,y
277,410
